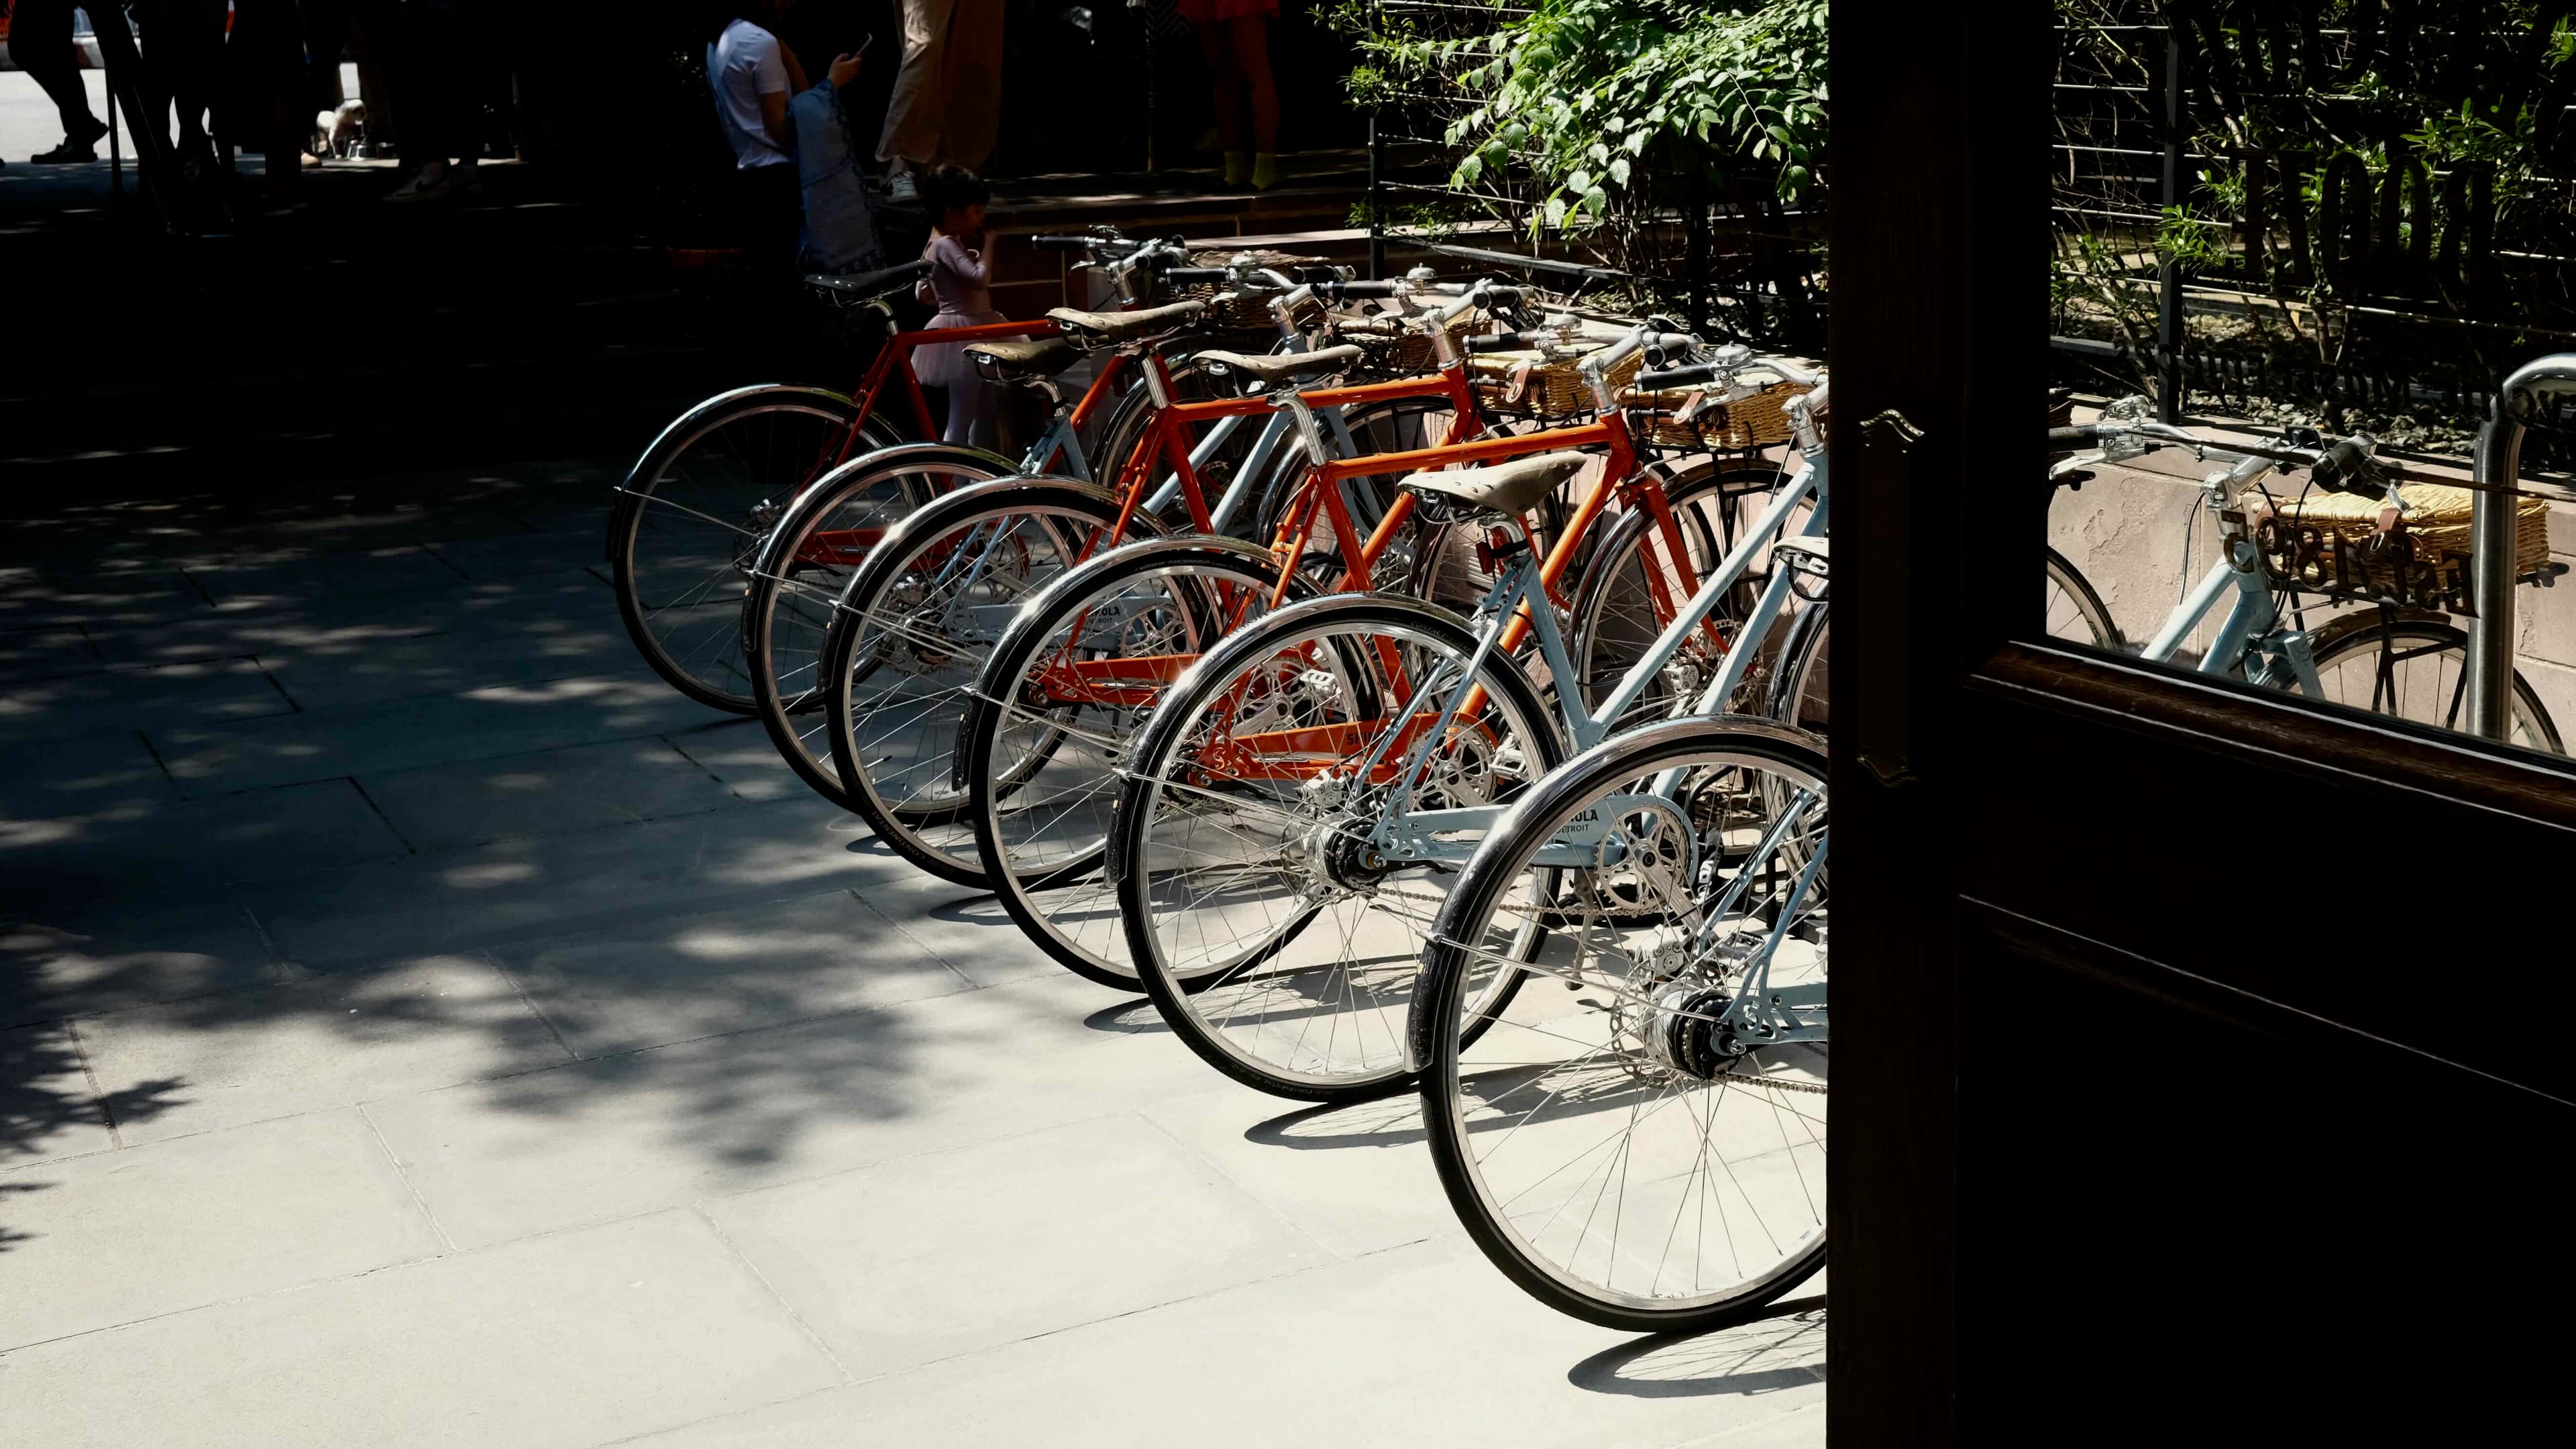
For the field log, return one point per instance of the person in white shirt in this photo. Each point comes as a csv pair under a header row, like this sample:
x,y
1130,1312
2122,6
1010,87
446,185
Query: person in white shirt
x,y
752,74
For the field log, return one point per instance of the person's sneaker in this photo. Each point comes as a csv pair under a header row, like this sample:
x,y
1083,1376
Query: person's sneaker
x,y
65,154
421,187
901,187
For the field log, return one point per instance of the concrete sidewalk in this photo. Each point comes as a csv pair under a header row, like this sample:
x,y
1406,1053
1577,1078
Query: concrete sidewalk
x,y
424,1027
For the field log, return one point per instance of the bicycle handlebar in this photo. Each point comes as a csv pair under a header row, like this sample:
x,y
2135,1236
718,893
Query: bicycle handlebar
x,y
2340,464
1050,243
1197,274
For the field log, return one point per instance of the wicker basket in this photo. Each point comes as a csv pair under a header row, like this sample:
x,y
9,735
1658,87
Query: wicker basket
x,y
1236,312
1756,421
1549,386
2354,543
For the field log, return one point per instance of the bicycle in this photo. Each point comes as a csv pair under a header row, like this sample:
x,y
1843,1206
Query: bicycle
x,y
816,546
917,623
692,512
1083,664
1292,810
2386,659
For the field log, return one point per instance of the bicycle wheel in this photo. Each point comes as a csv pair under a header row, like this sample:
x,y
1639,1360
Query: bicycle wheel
x,y
912,637
2075,611
1616,616
1070,686
1273,935
807,563
691,515
2417,667
1648,1154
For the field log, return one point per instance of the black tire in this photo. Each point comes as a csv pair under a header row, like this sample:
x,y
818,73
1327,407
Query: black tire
x,y
1614,617
1448,1108
1057,899
2359,657
1180,991
916,807
691,515
795,587
2076,612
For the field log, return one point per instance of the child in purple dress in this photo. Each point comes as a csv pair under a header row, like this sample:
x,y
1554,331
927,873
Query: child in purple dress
x,y
961,284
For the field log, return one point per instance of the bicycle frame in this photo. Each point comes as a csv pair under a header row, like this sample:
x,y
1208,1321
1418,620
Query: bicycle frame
x,y
849,546
2252,624
1510,613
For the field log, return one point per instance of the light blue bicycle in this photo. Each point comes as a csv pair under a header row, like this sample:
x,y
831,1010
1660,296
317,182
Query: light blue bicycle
x,y
1297,807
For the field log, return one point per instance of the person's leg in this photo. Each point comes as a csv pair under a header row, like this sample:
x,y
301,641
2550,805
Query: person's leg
x,y
40,41
1249,38
974,406
913,114
971,75
1225,97
183,48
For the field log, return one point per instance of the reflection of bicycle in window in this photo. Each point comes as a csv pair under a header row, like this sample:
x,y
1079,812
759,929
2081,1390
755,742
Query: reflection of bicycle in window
x,y
2395,656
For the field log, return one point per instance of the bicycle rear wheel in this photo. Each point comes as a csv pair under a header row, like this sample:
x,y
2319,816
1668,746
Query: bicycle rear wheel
x,y
1649,1154
691,516
1275,936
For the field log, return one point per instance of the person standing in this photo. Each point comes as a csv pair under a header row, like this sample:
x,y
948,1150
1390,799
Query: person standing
x,y
437,113
1234,39
40,41
946,109
752,76
960,282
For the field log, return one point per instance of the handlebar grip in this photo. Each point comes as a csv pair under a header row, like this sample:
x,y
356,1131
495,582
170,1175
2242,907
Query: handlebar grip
x,y
2065,440
1675,377
1504,342
1064,243
1195,274
1339,289
2345,462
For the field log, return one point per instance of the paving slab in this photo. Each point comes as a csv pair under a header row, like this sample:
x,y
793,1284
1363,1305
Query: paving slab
x,y
140,846
470,657
280,630
477,724
48,1108
41,653
739,752
617,879
332,1041
51,598
56,963
962,926
709,973
952,1252
627,1134
60,779
1420,1345
213,691
1356,1178
557,1343
548,792
334,576
516,555
117,1236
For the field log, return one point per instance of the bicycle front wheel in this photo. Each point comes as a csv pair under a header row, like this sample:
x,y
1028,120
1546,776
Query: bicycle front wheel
x,y
691,516
807,564
2417,668
913,635
1272,920
1057,713
1649,1155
